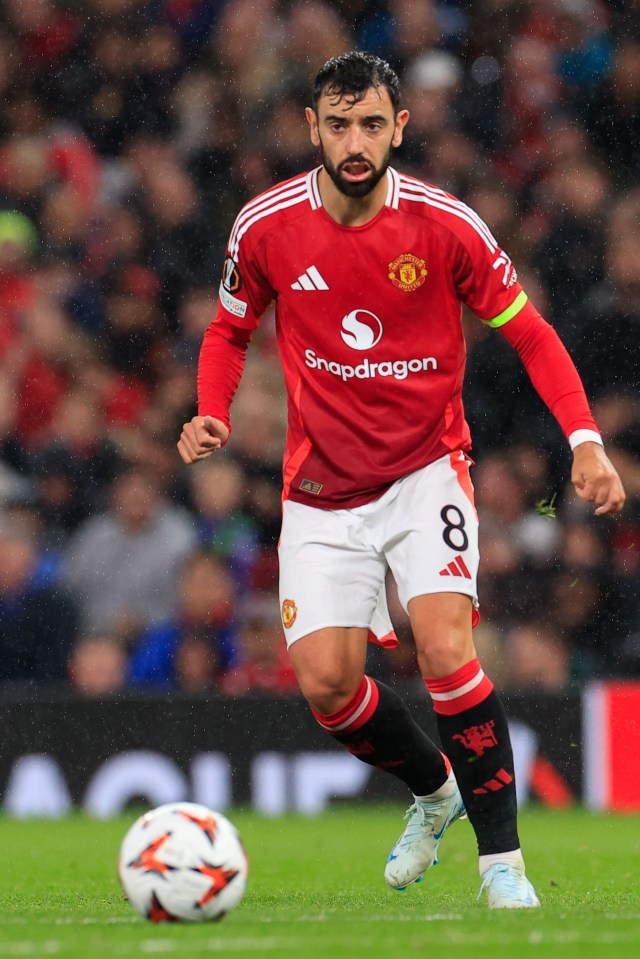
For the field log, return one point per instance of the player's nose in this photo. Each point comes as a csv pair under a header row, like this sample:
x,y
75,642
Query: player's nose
x,y
355,141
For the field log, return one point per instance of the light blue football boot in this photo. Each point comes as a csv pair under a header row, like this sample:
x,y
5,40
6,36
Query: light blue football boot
x,y
417,848
508,888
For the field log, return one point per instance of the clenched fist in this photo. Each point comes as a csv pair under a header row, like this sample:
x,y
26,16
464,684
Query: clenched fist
x,y
596,480
201,437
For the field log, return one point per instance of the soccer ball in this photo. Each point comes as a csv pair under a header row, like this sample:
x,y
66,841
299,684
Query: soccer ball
x,y
183,862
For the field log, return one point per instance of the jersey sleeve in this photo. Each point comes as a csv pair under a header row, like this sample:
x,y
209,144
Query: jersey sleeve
x,y
244,292
484,276
243,296
220,366
553,373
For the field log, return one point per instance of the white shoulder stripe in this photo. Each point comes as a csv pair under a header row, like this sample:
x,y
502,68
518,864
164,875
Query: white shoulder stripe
x,y
461,213
421,193
446,198
275,191
238,233
393,189
266,202
314,191
439,194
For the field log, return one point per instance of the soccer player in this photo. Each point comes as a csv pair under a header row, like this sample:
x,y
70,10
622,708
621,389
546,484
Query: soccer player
x,y
368,269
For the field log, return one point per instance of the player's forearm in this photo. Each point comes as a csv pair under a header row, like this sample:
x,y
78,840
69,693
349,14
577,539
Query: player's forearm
x,y
220,367
551,370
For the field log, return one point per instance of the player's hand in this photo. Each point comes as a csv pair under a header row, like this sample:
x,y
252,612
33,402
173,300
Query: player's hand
x,y
201,437
595,478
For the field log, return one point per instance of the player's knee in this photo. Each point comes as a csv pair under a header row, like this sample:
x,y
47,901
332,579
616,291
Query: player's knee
x,y
442,630
328,694
443,655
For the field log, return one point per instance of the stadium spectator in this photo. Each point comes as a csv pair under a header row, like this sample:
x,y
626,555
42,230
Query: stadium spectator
x,y
610,313
506,497
537,659
259,428
97,665
245,47
218,490
18,242
194,316
611,114
121,565
192,648
75,468
178,251
38,619
414,27
574,194
577,610
432,82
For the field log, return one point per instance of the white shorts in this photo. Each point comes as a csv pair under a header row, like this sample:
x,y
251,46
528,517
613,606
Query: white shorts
x,y
333,563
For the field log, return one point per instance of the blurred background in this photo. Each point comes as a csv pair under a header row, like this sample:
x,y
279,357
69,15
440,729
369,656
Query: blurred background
x,y
130,135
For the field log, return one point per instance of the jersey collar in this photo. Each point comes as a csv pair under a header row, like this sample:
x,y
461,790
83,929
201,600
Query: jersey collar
x,y
393,189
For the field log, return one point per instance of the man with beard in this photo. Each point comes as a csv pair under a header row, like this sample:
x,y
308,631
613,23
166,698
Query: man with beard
x,y
368,269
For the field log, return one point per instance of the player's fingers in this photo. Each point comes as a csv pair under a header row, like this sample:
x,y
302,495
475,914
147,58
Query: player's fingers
x,y
186,451
614,500
190,456
215,429
594,488
202,438
185,454
585,489
196,444
578,479
208,443
606,492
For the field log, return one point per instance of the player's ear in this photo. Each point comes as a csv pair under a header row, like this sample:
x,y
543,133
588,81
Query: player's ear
x,y
312,120
401,122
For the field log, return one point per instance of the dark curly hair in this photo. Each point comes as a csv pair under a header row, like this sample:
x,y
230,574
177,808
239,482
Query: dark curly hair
x,y
352,74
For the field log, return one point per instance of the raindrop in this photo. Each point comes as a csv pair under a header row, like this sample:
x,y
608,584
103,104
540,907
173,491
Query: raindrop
x,y
485,70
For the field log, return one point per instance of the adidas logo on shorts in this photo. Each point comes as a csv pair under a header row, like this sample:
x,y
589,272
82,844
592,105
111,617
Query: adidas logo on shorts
x,y
457,567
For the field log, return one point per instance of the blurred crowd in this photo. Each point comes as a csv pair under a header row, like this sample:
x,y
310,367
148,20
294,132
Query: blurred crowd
x,y
131,133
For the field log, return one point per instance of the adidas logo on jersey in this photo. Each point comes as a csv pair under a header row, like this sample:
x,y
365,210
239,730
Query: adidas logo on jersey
x,y
311,279
456,567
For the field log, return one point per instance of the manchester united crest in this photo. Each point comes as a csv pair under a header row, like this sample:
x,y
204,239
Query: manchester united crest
x,y
408,272
289,613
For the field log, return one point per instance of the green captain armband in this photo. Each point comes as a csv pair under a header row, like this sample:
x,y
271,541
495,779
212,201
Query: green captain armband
x,y
509,313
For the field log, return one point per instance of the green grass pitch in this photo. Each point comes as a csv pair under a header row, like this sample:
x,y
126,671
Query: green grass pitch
x,y
316,891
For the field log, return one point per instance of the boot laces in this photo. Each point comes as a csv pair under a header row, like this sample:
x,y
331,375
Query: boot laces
x,y
419,815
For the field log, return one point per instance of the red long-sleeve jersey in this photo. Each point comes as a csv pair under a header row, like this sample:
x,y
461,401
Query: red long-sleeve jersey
x,y
368,322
